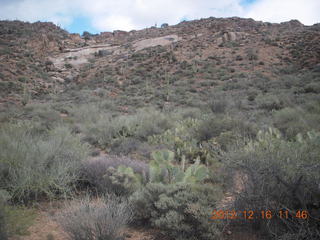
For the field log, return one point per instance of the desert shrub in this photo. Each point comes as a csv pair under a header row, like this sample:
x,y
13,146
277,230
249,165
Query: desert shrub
x,y
164,25
214,126
188,113
312,88
8,113
269,102
252,54
227,139
106,130
218,105
68,65
252,95
312,107
261,82
3,231
189,138
180,139
33,165
19,219
125,146
291,121
103,53
281,175
14,220
85,113
103,218
43,113
181,211
103,174
210,128
135,147
3,223
152,122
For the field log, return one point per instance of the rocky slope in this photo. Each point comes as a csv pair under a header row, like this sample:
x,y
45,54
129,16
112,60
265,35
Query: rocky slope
x,y
42,58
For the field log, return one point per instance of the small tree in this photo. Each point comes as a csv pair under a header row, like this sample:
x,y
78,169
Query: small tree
x,y
86,35
164,25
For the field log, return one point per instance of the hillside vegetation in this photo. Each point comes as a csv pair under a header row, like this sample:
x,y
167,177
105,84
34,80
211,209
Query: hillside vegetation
x,y
163,128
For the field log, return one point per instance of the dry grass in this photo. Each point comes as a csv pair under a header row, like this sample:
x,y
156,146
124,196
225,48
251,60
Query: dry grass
x,y
102,218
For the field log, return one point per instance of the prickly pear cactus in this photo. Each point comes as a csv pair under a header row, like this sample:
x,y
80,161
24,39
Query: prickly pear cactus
x,y
195,173
163,169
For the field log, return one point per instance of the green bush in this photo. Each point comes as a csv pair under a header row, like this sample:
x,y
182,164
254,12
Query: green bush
x,y
181,211
251,96
213,127
13,220
105,130
126,146
123,180
113,174
43,113
252,54
33,165
312,88
68,65
281,175
218,104
180,139
269,102
3,222
291,121
103,218
19,219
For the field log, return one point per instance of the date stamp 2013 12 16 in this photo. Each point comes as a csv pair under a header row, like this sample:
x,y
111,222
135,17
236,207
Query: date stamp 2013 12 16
x,y
261,214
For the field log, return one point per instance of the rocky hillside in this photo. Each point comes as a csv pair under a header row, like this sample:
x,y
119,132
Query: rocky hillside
x,y
42,58
184,120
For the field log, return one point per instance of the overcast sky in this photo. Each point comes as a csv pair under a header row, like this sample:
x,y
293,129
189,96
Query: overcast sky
x,y
108,15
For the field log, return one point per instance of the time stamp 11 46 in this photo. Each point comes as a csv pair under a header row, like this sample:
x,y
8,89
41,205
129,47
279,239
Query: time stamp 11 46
x,y
261,214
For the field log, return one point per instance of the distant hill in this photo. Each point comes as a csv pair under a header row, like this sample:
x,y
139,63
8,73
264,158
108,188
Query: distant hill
x,y
209,52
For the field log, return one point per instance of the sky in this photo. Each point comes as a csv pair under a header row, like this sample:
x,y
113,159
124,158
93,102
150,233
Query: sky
x,y
97,16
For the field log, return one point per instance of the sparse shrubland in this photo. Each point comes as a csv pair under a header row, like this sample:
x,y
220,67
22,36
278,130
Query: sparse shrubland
x,y
292,121
104,130
283,176
159,135
36,165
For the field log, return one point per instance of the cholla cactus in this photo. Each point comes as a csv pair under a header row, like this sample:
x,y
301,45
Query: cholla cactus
x,y
123,179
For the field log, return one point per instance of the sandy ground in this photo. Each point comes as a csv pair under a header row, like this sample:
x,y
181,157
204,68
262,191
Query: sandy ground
x,y
45,228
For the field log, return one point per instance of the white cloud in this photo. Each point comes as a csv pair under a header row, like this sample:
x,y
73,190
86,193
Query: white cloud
x,y
35,10
107,15
137,14
118,14
113,22
306,11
